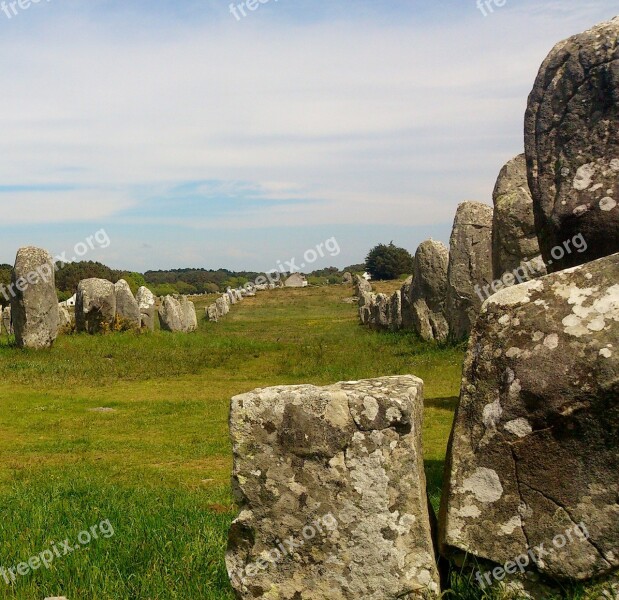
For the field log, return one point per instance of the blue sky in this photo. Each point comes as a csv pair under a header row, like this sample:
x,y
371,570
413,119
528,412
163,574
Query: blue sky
x,y
198,140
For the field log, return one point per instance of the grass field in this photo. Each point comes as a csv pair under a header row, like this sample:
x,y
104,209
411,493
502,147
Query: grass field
x,y
132,429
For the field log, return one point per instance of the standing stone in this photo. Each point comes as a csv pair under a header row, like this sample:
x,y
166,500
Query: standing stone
x,y
361,285
339,469
347,279
394,316
171,316
366,300
65,321
470,266
379,311
127,308
223,305
34,305
428,292
95,306
211,313
146,303
190,319
572,146
515,247
6,320
231,296
405,295
534,450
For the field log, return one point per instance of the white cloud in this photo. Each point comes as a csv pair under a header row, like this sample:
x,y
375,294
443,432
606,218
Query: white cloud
x,y
374,122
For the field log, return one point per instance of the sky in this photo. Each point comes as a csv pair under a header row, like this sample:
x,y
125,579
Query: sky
x,y
194,138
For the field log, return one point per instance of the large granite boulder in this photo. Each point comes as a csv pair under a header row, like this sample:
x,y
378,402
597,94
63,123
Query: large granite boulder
x,y
34,303
190,318
127,308
428,292
515,247
470,266
211,313
405,295
535,445
6,320
331,487
347,278
360,285
365,303
147,304
380,310
171,315
65,319
178,314
223,305
95,306
572,147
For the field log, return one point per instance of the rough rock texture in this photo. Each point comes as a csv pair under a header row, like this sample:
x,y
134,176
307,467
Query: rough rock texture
x,y
405,294
146,303
514,239
127,307
360,285
190,318
534,448
211,313
231,296
470,265
348,457
347,278
95,305
171,315
428,293
572,145
223,305
34,307
178,314
6,320
65,320
366,300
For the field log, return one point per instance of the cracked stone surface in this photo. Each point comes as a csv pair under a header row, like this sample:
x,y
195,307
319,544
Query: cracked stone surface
x,y
34,307
127,307
427,298
147,304
535,444
470,264
95,305
572,145
350,450
514,238
178,314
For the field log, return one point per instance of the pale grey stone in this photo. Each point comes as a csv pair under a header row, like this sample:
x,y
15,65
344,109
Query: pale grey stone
x,y
34,305
348,455
95,306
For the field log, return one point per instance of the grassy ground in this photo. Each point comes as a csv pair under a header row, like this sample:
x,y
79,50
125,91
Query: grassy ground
x,y
132,430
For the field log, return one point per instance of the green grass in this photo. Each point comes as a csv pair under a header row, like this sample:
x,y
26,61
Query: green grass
x,y
157,465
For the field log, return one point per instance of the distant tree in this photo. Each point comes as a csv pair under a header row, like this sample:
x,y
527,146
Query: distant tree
x,y
388,262
360,268
69,275
135,281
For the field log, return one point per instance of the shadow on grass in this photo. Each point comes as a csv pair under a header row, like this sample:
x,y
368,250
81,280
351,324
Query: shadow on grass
x,y
450,403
